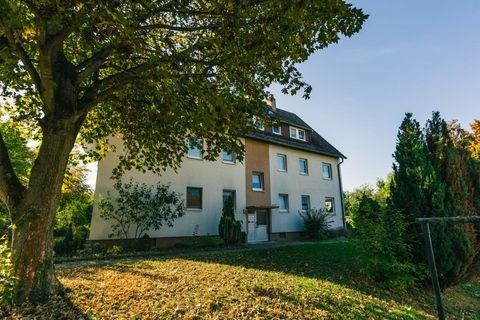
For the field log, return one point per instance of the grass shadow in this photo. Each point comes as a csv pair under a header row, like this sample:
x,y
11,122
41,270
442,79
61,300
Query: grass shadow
x,y
334,262
58,307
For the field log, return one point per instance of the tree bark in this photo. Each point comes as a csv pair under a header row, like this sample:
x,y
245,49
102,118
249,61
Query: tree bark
x,y
34,216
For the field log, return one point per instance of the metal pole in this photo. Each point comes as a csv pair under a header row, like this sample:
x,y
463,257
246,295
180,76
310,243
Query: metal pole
x,y
433,270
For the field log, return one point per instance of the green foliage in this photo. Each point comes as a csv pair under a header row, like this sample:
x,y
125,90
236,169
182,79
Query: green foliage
x,y
380,238
229,229
316,222
21,157
139,207
72,219
6,279
95,248
435,174
115,250
208,63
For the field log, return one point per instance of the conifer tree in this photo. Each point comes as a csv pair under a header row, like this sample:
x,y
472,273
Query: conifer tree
x,y
435,174
413,177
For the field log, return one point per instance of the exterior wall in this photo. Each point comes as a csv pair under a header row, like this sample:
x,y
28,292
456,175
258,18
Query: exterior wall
x,y
295,185
212,177
256,160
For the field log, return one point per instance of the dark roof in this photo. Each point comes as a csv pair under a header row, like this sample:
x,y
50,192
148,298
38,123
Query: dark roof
x,y
317,145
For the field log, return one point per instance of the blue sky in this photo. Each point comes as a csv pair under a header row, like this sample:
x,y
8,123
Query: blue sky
x,y
410,56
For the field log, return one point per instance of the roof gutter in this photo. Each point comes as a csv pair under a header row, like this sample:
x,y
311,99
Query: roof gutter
x,y
342,204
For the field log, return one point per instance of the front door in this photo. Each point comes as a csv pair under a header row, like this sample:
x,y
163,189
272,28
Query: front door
x,y
258,225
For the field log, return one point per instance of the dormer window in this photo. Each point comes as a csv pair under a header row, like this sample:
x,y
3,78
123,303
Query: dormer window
x,y
258,123
277,130
297,133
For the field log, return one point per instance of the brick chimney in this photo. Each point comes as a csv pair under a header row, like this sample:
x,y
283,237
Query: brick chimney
x,y
271,102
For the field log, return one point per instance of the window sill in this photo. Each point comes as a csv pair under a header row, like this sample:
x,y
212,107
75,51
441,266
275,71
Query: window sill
x,y
284,171
194,158
258,190
193,209
303,174
228,162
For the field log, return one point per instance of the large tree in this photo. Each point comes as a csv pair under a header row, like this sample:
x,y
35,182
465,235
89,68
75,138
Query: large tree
x,y
152,72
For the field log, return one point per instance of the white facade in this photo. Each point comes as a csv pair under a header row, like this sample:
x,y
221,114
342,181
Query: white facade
x,y
215,177
295,184
212,177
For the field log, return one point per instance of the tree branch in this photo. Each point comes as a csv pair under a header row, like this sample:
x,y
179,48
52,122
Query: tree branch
x,y
21,53
92,64
11,188
178,28
103,89
60,36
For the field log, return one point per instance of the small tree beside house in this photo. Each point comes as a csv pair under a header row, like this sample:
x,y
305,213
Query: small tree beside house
x,y
229,229
139,208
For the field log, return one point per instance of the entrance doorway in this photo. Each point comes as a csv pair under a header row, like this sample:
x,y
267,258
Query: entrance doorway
x,y
257,227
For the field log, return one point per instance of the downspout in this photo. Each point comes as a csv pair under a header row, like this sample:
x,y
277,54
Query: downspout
x,y
341,194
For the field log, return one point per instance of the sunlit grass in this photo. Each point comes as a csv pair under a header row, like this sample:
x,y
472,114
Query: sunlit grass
x,y
312,281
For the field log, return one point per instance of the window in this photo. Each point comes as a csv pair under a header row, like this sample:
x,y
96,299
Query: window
x,y
281,162
277,129
329,205
258,123
303,166
257,181
194,149
283,202
327,171
262,217
297,133
194,198
229,195
228,156
305,202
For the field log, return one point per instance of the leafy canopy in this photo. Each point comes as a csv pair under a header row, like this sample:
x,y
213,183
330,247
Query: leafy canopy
x,y
159,72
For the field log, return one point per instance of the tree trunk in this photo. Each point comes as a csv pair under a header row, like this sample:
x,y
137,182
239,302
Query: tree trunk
x,y
34,216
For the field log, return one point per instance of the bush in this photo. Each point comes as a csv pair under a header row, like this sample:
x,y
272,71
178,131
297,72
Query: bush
x,y
379,238
316,222
144,243
229,229
60,246
94,248
140,207
115,250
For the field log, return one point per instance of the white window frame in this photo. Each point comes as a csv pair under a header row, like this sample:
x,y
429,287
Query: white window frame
x,y
307,196
332,199
330,171
300,167
228,161
262,183
279,130
295,133
285,197
192,148
284,157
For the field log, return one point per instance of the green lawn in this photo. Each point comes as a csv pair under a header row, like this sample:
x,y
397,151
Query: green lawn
x,y
311,281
